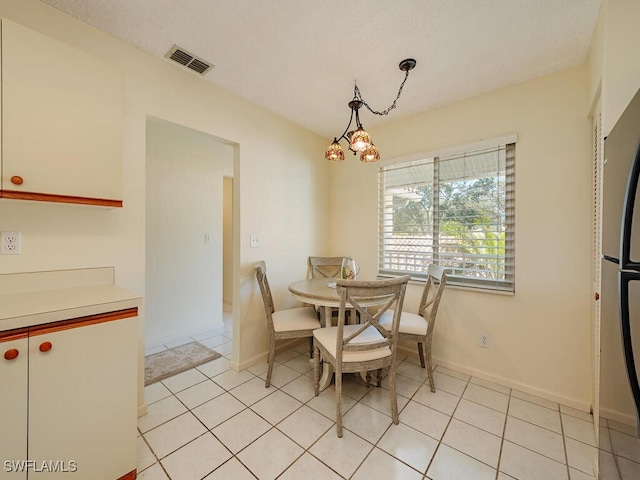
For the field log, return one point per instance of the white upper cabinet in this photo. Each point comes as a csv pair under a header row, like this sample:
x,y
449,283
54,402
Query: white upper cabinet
x,y
62,121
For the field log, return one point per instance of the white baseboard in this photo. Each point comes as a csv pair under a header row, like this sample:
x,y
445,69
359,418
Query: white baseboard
x,y
523,387
262,357
618,416
142,410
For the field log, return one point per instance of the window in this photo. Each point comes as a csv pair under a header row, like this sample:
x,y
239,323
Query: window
x,y
455,210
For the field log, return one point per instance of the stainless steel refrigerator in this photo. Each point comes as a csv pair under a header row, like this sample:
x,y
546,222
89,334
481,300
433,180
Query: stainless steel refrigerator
x,y
619,389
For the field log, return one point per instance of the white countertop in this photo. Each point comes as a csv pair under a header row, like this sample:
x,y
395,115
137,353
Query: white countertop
x,y
34,308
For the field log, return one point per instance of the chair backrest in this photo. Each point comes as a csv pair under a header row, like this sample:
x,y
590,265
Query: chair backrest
x,y
265,290
353,293
431,295
324,267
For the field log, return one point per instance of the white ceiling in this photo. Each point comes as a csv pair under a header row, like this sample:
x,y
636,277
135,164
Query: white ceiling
x,y
300,58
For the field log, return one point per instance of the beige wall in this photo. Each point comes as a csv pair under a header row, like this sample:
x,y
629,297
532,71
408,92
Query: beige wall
x,y
595,60
540,337
278,167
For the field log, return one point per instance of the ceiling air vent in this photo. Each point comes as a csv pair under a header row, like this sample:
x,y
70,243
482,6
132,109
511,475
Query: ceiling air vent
x,y
186,59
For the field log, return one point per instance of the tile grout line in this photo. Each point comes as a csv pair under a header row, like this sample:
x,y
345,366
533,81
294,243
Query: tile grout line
x,y
207,430
564,443
234,455
359,399
155,456
307,450
615,457
504,431
375,445
435,452
275,427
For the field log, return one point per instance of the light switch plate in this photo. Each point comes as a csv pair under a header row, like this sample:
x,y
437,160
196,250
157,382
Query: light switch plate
x,y
255,241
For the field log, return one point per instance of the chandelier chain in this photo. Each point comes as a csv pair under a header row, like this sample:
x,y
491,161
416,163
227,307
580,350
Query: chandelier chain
x,y
358,95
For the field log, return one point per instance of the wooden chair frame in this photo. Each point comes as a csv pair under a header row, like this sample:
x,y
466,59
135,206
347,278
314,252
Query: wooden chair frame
x,y
269,308
351,292
329,267
324,267
429,299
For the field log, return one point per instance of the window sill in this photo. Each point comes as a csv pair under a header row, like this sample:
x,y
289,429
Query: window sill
x,y
458,287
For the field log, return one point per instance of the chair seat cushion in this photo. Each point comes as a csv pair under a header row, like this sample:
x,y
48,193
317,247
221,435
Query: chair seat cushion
x,y
411,323
302,318
327,337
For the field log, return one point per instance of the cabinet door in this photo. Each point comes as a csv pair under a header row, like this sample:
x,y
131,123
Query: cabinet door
x,y
62,112
13,404
82,399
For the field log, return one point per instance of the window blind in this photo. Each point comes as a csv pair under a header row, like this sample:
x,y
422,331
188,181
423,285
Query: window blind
x,y
457,211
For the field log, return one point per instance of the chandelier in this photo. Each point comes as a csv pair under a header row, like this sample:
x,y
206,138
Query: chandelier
x,y
359,140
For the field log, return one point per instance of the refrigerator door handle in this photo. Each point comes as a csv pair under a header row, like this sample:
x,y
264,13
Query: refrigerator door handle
x,y
624,277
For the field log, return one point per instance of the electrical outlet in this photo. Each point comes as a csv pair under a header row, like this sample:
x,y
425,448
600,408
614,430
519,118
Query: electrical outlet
x,y
255,241
484,340
9,243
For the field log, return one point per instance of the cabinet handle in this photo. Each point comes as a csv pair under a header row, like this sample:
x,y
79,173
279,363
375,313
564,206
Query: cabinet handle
x,y
11,354
45,346
17,180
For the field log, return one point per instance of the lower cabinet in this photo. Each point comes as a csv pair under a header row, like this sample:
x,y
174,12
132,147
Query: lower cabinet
x,y
72,399
14,373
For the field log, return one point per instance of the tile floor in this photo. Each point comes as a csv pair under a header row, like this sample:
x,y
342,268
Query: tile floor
x,y
213,423
219,338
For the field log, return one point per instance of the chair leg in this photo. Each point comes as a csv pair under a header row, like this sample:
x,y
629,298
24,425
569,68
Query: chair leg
x,y
316,371
421,354
310,347
379,377
339,403
430,370
392,393
272,353
368,378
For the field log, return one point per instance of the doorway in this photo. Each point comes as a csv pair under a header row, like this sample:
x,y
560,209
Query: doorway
x,y
185,238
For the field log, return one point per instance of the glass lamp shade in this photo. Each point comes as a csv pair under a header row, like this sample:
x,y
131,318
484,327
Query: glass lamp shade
x,y
349,135
334,153
360,140
370,154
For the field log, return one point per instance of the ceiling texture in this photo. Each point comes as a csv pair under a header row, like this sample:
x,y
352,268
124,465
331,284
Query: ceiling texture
x,y
300,58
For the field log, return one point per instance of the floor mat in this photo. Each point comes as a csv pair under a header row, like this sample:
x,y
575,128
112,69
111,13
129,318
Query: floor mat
x,y
167,363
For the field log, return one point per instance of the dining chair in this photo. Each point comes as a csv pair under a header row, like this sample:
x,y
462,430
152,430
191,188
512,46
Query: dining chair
x,y
365,346
297,322
324,267
328,267
419,327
